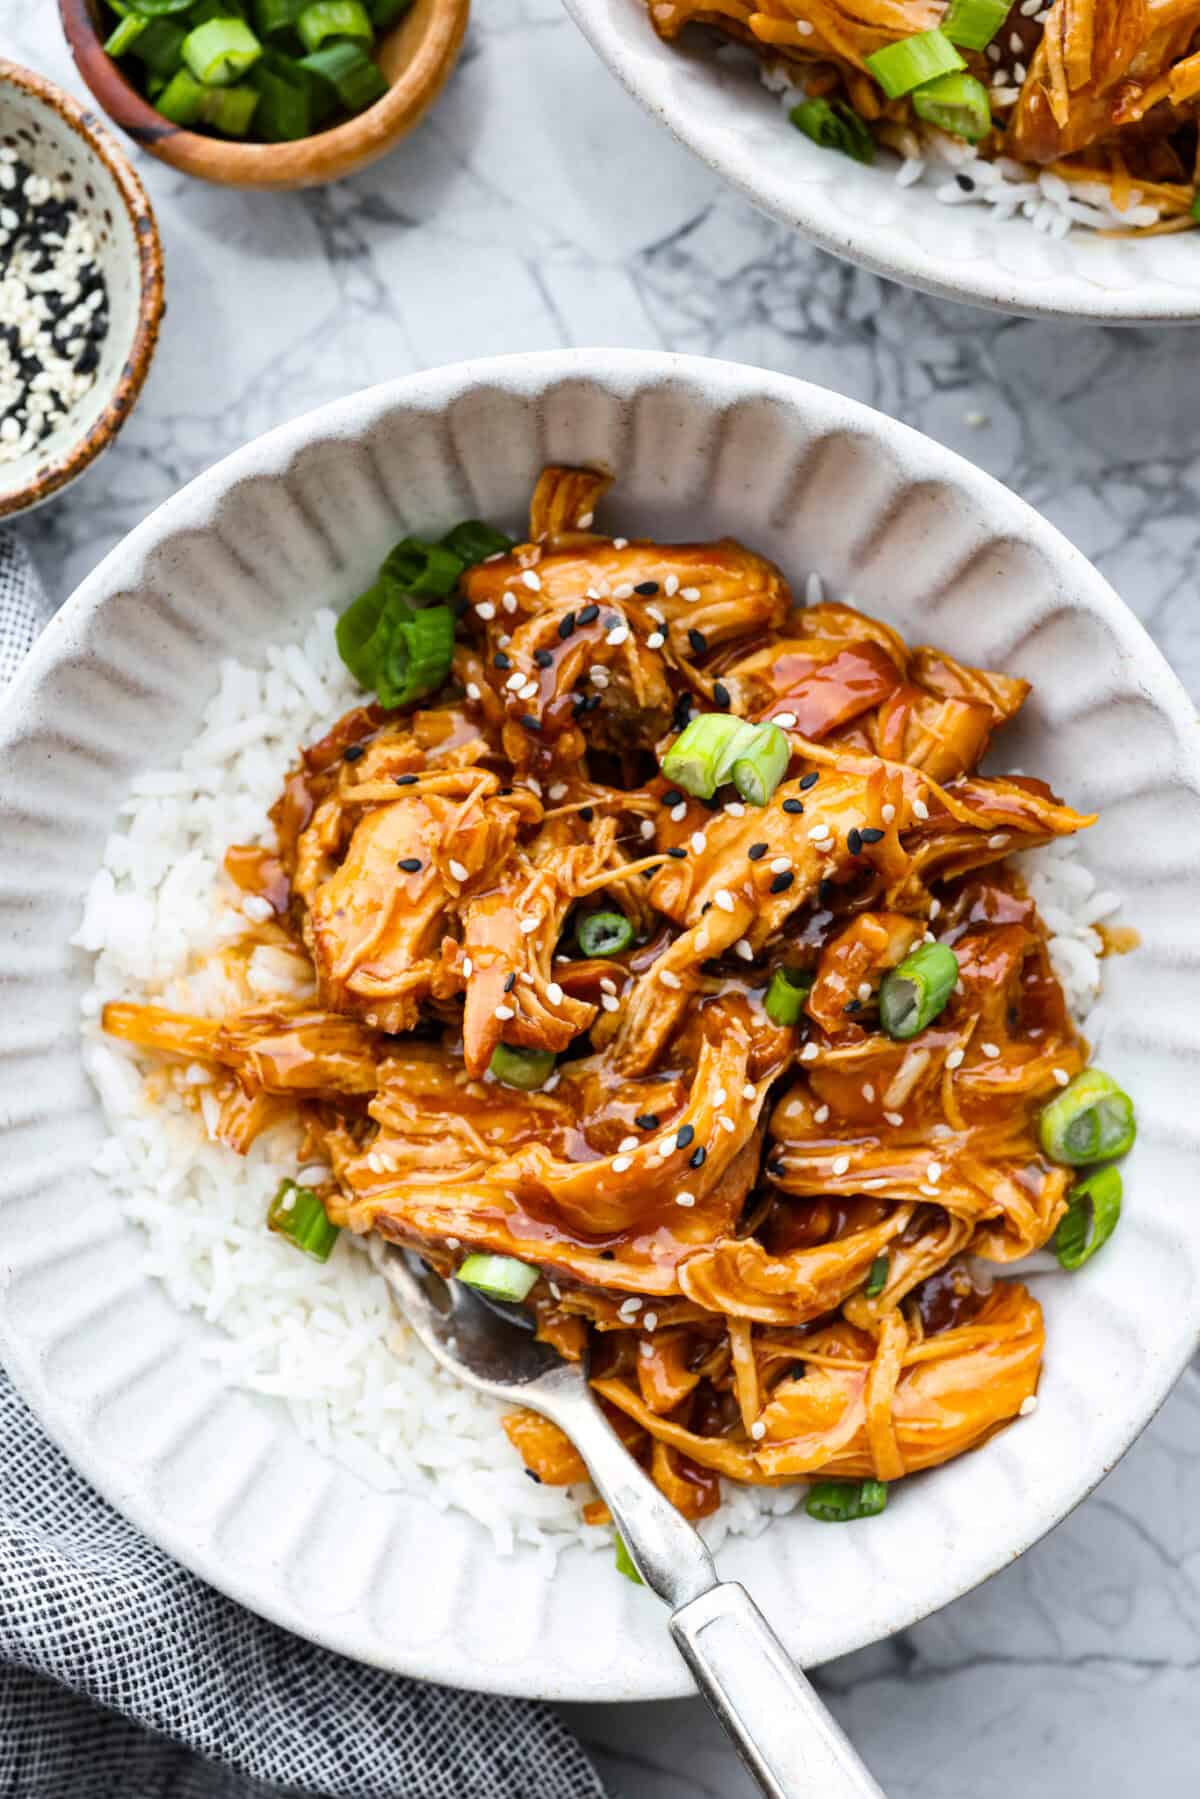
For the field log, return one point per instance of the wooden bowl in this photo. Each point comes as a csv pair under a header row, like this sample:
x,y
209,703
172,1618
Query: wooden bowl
x,y
415,56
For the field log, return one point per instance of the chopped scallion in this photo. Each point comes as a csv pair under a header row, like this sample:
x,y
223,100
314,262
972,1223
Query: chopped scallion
x,y
1093,1208
334,18
500,1277
625,1564
126,33
876,1279
220,50
284,99
515,1066
760,764
182,100
297,1213
957,104
788,990
841,1502
472,540
348,73
425,568
702,755
1091,1120
604,933
974,23
900,67
835,126
416,658
912,995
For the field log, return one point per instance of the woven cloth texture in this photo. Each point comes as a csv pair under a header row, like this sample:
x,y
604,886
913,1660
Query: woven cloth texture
x,y
124,1677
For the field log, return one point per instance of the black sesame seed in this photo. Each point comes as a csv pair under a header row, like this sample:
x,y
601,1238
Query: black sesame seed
x,y
775,1170
782,882
500,660
504,792
586,814
534,1476
713,804
684,1136
672,797
793,806
807,781
410,864
591,703
798,1371
872,835
854,1005
589,615
699,1156
646,587
721,696
706,907
854,841
826,891
543,658
966,184
613,621
407,780
530,722
647,1121
608,1255
757,851
510,982
566,626
355,753
677,852
698,641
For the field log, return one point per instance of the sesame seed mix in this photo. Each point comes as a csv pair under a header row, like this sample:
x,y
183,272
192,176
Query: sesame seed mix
x,y
53,305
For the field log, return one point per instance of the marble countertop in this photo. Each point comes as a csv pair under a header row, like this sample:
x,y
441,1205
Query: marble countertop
x,y
537,207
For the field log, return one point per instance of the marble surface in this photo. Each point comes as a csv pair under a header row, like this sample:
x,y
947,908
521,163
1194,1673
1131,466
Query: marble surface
x,y
539,207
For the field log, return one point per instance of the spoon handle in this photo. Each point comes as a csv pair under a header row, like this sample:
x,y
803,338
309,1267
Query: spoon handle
x,y
774,1718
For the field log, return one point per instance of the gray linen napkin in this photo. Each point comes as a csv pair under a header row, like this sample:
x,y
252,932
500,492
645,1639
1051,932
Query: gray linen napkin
x,y
121,1674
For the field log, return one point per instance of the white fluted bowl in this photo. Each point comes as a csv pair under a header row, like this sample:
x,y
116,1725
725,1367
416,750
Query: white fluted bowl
x,y
241,558
718,107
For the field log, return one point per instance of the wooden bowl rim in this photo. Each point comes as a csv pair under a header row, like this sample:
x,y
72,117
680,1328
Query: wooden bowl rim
x,y
151,290
323,156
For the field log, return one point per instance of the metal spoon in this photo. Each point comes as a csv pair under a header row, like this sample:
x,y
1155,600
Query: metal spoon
x,y
777,1723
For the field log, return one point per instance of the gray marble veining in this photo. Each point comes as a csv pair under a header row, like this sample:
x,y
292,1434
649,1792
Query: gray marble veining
x,y
538,207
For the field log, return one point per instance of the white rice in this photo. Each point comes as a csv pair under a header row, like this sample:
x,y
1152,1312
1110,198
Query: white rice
x,y
323,1340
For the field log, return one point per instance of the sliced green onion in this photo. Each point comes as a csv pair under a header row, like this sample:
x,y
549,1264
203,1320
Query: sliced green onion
x,y
789,989
156,9
1091,1120
182,100
625,1564
346,70
912,995
835,126
701,756
604,933
284,99
417,656
515,1066
230,109
298,1214
876,1279
274,16
423,568
220,50
974,23
900,67
1093,1208
125,35
1194,208
334,18
357,627
474,541
760,764
841,1502
956,103
160,46
500,1277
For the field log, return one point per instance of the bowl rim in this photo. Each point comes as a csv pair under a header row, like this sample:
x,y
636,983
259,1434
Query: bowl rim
x,y
151,288
437,28
531,374
979,281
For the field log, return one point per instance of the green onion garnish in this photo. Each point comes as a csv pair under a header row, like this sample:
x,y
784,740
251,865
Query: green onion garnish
x,y
899,68
604,933
956,103
760,764
841,1502
1093,1208
220,50
516,1066
876,1279
345,71
473,541
701,756
334,18
284,92
298,1214
835,126
386,12
125,34
1194,208
417,656
230,109
786,994
183,99
625,1564
974,23
271,17
1091,1120
425,568
912,995
500,1277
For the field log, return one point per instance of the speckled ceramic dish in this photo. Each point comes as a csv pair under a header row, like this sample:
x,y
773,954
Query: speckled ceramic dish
x,y
718,107
240,559
56,135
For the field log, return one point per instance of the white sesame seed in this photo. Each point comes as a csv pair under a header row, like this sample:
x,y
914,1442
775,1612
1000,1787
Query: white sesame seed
x,y
690,593
758,1430
532,580
749,1091
620,543
1027,1406
503,641
599,677
529,691
509,602
554,993
679,812
935,906
735,809
818,832
928,1191
998,842
669,979
781,865
954,1059
840,1164
685,1198
920,809
742,948
887,813
473,692
726,1124
698,841
558,791
504,1013
617,635
724,899
868,1091
1061,1076
610,1002
468,968
592,593
934,1171
624,591
515,680
895,1119
785,720
809,1053
992,1050
587,519
821,1114
655,640
534,785
671,585
457,870
646,1349
864,991
628,1143
649,1320
621,1163
528,926
1014,42
486,610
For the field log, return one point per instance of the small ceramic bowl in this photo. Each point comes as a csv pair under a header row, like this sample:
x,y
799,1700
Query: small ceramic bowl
x,y
54,134
415,56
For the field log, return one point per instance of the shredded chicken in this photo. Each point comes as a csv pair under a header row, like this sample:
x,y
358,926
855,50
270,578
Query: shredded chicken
x,y
762,1236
